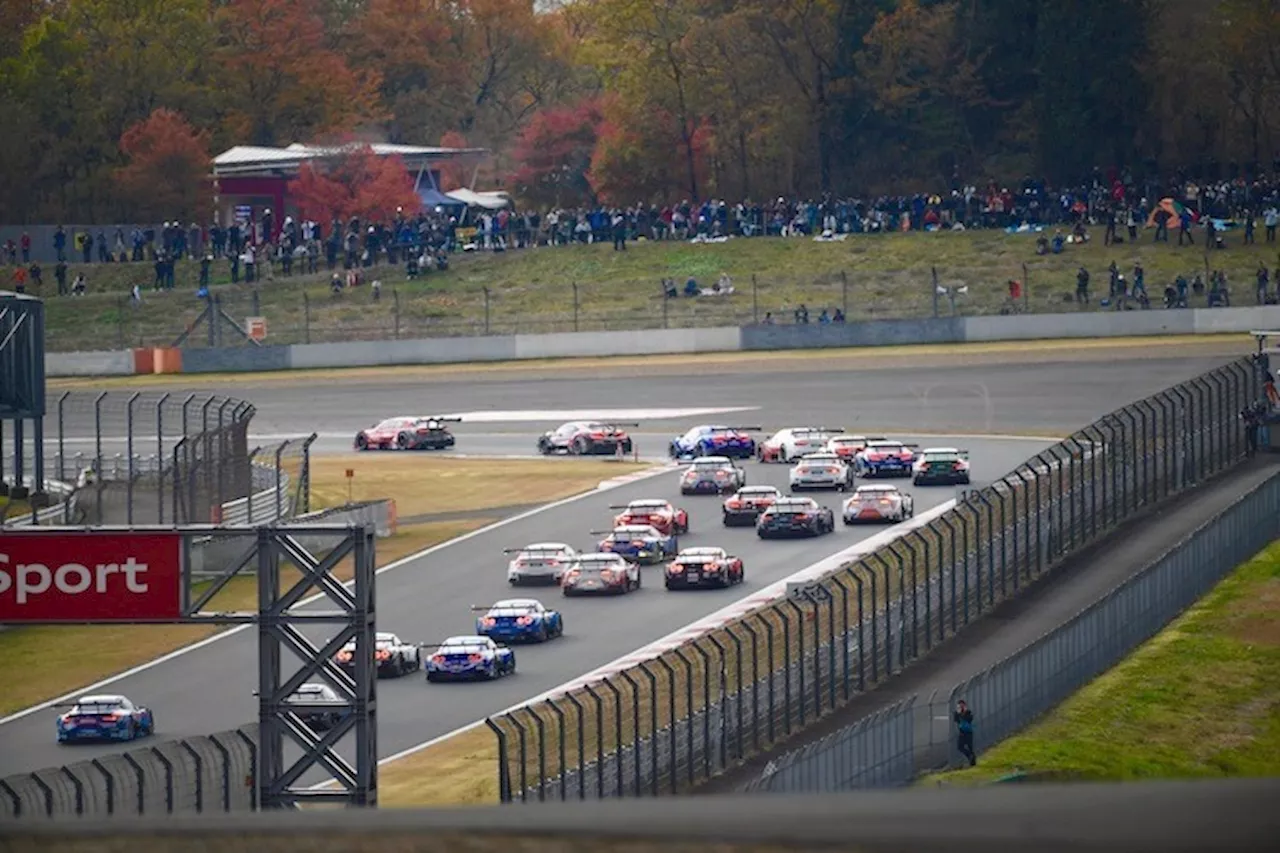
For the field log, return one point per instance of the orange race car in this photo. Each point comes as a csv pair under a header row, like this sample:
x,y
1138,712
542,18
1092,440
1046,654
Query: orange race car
x,y
669,520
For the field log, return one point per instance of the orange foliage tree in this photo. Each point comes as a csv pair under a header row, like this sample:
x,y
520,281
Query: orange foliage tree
x,y
553,154
281,79
356,182
455,172
645,156
166,176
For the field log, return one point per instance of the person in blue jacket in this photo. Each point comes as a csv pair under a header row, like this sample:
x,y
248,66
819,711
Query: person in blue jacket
x,y
964,728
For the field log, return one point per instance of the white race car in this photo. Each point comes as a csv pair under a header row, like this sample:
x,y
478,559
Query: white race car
x,y
847,447
941,466
878,504
791,443
821,471
392,656
539,563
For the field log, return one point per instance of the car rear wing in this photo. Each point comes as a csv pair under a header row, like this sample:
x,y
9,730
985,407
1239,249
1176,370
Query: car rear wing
x,y
458,646
448,419
615,426
530,551
626,506
485,608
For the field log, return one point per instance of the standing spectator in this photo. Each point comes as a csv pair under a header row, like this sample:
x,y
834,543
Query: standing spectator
x,y
1248,228
11,252
26,248
1082,286
964,732
20,280
1139,283
104,251
60,243
1264,280
1270,218
619,232
1110,236
60,275
86,247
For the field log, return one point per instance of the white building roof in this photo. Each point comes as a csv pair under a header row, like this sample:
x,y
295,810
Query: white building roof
x,y
252,158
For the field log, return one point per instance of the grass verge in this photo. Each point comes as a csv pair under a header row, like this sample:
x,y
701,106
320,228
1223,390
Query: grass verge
x,y
425,485
590,288
1201,699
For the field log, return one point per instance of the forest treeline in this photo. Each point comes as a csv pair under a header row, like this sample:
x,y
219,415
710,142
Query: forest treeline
x,y
111,108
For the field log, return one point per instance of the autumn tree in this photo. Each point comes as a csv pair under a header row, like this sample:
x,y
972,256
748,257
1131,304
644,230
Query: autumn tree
x,y
553,155
645,155
281,80
166,175
455,172
355,182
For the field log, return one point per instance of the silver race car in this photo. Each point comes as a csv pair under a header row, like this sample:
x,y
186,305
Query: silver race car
x,y
712,475
542,563
821,471
878,504
392,656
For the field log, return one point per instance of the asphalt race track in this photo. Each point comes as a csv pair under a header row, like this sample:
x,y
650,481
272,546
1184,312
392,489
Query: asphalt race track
x,y
210,689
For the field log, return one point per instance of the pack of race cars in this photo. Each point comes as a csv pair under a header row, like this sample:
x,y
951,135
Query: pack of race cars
x,y
645,532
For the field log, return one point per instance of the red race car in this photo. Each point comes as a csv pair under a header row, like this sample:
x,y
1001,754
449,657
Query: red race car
x,y
669,520
849,446
747,503
407,433
587,438
703,567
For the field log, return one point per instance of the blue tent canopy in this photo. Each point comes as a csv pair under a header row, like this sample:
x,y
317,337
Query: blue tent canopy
x,y
432,197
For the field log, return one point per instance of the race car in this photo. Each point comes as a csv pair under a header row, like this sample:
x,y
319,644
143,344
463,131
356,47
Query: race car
x,y
878,503
392,657
407,433
941,466
821,471
794,442
745,505
669,520
601,574
712,475
586,438
107,717
714,440
795,517
886,459
470,658
519,620
308,696
849,446
541,563
638,543
704,567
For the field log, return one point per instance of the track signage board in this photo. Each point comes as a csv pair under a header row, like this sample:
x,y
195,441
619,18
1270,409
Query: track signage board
x,y
86,576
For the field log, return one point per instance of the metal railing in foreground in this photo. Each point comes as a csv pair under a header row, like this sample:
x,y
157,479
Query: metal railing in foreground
x,y
893,746
667,722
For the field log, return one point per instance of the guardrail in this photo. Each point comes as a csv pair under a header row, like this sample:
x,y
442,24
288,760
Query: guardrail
x,y
722,694
192,775
888,748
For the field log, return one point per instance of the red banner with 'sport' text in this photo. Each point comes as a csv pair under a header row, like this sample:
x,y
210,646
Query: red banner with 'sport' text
x,y
90,577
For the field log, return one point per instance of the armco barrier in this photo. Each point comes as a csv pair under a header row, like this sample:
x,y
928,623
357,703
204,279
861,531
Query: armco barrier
x,y
186,776
1088,324
734,686
1021,688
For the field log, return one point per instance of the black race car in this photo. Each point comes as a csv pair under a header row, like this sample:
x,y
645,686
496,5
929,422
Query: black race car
x,y
795,517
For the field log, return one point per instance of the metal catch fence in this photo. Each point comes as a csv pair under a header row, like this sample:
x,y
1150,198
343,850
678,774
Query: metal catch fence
x,y
892,747
685,715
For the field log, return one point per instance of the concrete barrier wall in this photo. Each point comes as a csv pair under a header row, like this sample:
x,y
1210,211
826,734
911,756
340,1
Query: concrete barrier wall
x,y
875,333
105,363
639,341
420,351
187,776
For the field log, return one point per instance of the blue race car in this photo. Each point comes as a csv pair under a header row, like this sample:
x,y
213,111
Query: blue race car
x,y
714,440
638,543
470,659
886,459
105,718
519,620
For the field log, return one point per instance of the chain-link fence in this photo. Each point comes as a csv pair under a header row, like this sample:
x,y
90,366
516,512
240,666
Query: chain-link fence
x,y
144,457
893,746
681,717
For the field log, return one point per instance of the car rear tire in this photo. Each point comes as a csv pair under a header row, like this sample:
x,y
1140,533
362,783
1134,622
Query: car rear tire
x,y
580,447
362,443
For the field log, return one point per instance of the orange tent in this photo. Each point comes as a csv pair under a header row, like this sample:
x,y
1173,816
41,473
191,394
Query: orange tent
x,y
1175,211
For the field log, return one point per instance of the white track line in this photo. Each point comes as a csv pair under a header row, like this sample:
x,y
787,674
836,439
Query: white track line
x,y
605,486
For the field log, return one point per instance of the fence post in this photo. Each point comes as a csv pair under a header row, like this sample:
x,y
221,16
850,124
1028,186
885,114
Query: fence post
x,y
1132,459
617,737
62,450
504,770
198,761
141,781
306,318
168,779
737,659
844,292
688,694
582,745
875,621
75,783
524,754
1026,525
280,481
226,771
755,300
599,702
635,727
755,684
111,784
575,306
786,640
844,635
962,507
671,705
724,699
888,610
253,765
486,310
653,726
560,733
768,635
542,752
97,433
